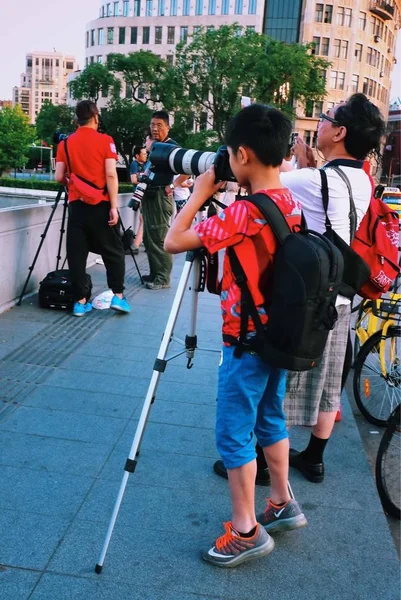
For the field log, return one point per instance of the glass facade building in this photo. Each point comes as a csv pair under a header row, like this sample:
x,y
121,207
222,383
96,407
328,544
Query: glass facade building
x,y
283,20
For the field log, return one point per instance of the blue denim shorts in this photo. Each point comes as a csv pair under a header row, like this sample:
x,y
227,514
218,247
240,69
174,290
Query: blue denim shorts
x,y
249,402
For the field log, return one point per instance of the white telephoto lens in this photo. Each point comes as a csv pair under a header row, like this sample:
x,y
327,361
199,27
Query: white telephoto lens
x,y
205,161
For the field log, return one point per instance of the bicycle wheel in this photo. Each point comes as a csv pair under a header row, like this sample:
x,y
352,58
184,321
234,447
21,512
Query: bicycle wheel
x,y
377,394
388,468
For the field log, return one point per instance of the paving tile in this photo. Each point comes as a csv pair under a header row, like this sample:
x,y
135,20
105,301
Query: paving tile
x,y
57,494
69,426
16,583
82,380
28,540
52,454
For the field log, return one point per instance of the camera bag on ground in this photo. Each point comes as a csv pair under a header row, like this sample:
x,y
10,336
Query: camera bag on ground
x,y
370,262
55,291
300,306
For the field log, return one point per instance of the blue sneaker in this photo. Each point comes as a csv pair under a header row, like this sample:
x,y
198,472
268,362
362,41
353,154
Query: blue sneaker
x,y
80,310
120,304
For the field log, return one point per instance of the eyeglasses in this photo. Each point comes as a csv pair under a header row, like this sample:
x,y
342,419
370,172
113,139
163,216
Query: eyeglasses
x,y
324,116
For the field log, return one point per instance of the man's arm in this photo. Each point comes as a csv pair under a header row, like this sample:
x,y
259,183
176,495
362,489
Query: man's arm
x,y
181,236
134,173
112,188
180,179
61,172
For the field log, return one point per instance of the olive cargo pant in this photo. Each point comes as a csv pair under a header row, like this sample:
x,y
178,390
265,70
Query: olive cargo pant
x,y
157,209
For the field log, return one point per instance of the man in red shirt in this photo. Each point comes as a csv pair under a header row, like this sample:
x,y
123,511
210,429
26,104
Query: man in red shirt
x,y
250,392
86,162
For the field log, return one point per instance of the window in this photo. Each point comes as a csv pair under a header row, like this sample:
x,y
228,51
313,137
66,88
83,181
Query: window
x,y
183,34
347,17
343,50
186,5
250,28
309,108
225,5
158,35
141,92
337,80
121,35
317,109
87,39
37,62
145,35
238,7
310,138
354,83
137,8
92,60
108,6
198,7
170,59
173,8
324,48
161,8
252,7
134,35
212,7
362,21
100,37
92,37
319,13
115,9
149,8
170,35
110,35
316,42
358,52
328,13
126,8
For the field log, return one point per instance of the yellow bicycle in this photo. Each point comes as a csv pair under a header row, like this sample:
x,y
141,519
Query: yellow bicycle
x,y
377,368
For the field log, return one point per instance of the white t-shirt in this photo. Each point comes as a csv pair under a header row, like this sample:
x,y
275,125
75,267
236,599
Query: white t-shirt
x,y
181,193
306,187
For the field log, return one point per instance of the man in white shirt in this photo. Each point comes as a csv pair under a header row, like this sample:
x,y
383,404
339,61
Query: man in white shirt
x,y
346,135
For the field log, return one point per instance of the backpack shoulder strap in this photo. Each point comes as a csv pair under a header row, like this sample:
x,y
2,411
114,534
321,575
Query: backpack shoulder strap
x,y
272,213
67,155
352,211
325,197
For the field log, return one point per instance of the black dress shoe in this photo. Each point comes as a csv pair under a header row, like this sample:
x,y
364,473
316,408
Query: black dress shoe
x,y
262,477
312,471
147,278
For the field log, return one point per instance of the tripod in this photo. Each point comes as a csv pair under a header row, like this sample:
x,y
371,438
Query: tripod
x,y
62,190
196,263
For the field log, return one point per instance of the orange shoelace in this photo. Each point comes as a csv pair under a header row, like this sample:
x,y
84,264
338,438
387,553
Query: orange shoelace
x,y
227,537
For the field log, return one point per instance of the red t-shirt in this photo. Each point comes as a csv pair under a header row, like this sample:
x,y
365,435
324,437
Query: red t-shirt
x,y
242,225
87,150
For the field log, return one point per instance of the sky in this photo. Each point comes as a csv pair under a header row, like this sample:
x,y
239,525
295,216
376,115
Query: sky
x,y
60,24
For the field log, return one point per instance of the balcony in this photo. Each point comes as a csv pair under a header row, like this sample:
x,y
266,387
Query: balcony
x,y
384,10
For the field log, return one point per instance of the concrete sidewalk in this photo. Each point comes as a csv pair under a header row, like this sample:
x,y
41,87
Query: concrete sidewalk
x,y
72,391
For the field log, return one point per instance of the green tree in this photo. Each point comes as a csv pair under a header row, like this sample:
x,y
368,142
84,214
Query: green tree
x,y
16,135
94,80
218,66
148,77
54,118
128,124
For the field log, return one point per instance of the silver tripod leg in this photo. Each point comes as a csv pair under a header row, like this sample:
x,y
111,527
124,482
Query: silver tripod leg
x,y
158,369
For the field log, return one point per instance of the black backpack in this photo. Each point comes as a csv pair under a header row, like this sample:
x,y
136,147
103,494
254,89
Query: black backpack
x,y
308,271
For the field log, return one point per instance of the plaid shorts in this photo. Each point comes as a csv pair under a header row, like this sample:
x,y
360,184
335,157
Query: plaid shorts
x,y
319,389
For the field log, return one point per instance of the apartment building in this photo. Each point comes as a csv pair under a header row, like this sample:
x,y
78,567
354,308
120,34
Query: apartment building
x,y
45,78
357,36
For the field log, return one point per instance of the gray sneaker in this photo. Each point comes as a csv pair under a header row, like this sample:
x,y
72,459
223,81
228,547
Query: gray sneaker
x,y
231,549
282,518
154,285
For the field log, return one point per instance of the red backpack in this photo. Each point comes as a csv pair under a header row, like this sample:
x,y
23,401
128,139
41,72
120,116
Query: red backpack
x,y
377,242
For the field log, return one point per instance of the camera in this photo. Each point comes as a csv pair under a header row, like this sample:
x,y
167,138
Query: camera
x,y
59,136
168,158
292,140
143,181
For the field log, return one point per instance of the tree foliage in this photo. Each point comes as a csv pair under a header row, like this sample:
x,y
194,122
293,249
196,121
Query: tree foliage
x,y
127,123
94,80
16,135
52,118
147,76
220,65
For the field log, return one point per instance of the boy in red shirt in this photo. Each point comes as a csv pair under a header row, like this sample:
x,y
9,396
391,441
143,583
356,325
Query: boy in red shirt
x,y
250,392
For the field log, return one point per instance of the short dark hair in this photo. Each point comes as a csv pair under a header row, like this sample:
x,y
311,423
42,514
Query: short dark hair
x,y
163,115
263,129
85,111
137,150
365,126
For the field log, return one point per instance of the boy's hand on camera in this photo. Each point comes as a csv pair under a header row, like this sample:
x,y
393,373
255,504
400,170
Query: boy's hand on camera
x,y
206,185
113,217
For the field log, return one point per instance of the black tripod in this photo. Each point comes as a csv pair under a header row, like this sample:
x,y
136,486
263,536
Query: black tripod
x,y
62,190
